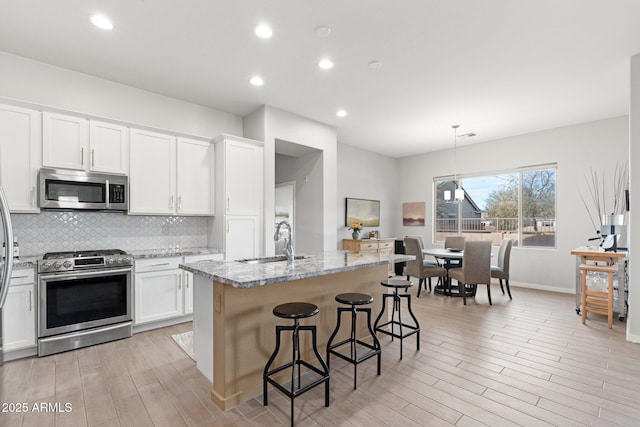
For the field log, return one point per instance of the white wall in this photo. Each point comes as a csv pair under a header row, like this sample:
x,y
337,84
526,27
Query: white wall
x,y
306,171
366,175
60,88
633,323
268,124
575,149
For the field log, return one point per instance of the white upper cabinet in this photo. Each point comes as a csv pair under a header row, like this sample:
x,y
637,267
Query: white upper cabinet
x,y
243,181
170,175
65,141
195,177
20,142
71,142
152,181
109,147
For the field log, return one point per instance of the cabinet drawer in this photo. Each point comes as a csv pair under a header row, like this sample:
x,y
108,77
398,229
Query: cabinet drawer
x,y
22,276
369,246
386,244
156,264
203,257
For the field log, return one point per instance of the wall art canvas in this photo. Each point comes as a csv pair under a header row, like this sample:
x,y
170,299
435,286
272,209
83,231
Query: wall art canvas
x,y
366,212
413,214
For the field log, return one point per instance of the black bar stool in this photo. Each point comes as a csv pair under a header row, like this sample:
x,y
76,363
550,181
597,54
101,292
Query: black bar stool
x,y
397,284
354,299
295,311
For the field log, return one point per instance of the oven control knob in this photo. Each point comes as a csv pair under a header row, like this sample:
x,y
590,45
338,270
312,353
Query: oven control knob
x,y
46,265
67,264
57,265
110,261
122,260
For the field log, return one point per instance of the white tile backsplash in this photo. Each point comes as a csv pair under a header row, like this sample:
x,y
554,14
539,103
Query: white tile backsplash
x,y
52,231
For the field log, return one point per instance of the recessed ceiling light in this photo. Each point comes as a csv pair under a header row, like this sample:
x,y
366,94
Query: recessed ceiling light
x,y
101,21
341,113
263,31
256,81
325,64
322,31
374,65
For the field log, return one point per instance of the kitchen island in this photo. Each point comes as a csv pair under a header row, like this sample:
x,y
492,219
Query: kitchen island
x,y
234,326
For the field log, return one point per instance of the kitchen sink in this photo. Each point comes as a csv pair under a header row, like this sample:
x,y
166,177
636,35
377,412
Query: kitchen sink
x,y
266,260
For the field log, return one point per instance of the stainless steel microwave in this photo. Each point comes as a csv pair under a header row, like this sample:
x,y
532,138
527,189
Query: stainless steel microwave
x,y
70,189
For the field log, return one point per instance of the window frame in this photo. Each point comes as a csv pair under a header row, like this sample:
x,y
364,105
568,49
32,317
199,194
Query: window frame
x,y
519,171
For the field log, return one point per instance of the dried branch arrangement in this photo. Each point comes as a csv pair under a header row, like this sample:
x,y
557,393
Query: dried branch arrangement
x,y
595,203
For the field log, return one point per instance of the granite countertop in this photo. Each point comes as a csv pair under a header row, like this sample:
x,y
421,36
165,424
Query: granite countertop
x,y
23,262
162,253
243,275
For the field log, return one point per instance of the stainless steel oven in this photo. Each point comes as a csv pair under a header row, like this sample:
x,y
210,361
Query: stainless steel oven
x,y
84,298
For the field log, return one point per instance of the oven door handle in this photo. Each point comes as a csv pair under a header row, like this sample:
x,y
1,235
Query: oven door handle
x,y
73,276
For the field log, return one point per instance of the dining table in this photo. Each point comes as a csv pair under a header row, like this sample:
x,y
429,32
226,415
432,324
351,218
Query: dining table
x,y
446,258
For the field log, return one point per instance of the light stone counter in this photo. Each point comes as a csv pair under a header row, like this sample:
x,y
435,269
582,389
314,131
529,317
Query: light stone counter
x,y
164,253
245,275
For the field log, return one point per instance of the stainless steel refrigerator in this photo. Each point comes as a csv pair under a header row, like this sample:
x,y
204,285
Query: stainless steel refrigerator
x,y
7,265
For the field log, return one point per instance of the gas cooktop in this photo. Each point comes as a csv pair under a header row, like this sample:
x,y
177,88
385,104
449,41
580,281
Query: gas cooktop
x,y
57,262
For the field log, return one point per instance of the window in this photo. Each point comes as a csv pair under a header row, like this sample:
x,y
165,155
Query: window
x,y
520,205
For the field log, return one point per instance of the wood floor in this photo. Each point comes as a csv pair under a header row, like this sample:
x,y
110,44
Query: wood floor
x,y
529,361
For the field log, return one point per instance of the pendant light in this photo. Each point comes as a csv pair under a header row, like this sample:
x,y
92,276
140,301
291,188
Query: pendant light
x,y
458,192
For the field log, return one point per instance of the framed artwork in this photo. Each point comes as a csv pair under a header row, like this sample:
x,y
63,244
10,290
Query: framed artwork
x,y
413,214
366,212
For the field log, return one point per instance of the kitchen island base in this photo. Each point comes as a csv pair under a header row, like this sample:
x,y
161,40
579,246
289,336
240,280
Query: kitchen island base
x,y
233,327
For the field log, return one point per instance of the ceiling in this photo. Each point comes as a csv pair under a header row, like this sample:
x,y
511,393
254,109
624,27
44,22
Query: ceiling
x,y
496,67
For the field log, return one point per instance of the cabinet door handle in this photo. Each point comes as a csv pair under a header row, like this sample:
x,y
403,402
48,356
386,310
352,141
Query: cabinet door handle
x,y
180,282
227,203
82,156
171,202
93,157
187,280
18,277
30,306
159,265
33,196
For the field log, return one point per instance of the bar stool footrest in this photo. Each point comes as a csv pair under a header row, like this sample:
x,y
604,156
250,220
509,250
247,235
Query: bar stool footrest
x,y
412,329
374,351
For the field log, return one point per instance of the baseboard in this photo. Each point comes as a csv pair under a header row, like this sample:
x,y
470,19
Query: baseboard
x,y
513,284
21,353
161,323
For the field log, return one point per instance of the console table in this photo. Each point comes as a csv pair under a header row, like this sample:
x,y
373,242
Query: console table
x,y
379,246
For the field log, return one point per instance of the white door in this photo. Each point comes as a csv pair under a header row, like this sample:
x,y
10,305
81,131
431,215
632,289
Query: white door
x,y
242,237
158,295
153,173
20,148
64,141
195,177
109,147
19,318
243,178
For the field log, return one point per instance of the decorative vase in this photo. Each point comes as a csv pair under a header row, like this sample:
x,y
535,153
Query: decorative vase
x,y
355,235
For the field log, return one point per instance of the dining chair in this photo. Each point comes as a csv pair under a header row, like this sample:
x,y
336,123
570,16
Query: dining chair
x,y
501,271
454,242
476,269
417,268
426,262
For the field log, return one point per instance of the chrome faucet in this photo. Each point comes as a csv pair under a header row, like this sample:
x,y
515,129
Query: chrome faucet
x,y
288,246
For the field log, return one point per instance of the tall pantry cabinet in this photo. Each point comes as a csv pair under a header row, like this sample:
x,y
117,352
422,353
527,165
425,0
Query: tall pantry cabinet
x,y
237,226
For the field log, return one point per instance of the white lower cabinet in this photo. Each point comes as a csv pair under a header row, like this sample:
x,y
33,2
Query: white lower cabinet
x,y
188,278
19,312
162,290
